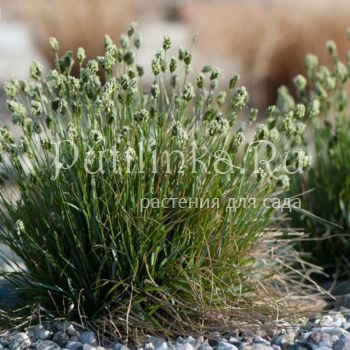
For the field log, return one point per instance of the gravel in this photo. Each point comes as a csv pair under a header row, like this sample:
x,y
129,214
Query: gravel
x,y
329,332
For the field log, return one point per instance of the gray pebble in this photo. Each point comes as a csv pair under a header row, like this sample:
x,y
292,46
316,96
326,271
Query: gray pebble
x,y
119,346
46,345
66,327
259,340
19,341
60,338
88,347
224,345
162,346
183,346
74,345
281,341
39,332
205,346
246,346
88,337
261,346
341,345
302,346
187,346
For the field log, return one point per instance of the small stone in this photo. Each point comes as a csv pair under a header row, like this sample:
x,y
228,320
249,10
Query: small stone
x,y
162,346
224,345
66,327
188,346
191,340
75,338
245,346
4,341
19,341
341,345
46,345
88,337
260,340
118,346
338,320
88,347
315,337
334,338
205,346
149,346
261,346
74,345
60,338
155,341
281,341
31,333
302,346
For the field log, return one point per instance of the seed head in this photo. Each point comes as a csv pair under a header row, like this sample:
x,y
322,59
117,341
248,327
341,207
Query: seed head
x,y
299,111
300,82
303,161
96,136
239,139
166,43
124,41
35,70
314,108
138,41
141,115
274,135
200,80
19,227
92,67
156,66
283,182
129,154
311,62
218,126
221,98
155,90
35,108
331,47
11,88
215,74
233,81
342,72
188,92
262,132
173,65
132,28
240,98
54,44
81,56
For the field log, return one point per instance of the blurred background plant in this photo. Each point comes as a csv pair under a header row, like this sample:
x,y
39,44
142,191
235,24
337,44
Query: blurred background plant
x,y
288,30
326,188
91,251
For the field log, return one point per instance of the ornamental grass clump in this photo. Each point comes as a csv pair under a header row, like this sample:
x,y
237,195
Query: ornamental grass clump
x,y
326,188
119,198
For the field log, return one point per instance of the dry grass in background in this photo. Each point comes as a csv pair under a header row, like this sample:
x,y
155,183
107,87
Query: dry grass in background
x,y
74,23
269,38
